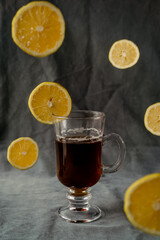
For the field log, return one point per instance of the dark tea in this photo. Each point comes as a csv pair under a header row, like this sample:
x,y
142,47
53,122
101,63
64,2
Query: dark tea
x,y
79,161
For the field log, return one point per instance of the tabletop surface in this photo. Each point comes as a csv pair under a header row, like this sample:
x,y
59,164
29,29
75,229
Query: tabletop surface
x,y
29,201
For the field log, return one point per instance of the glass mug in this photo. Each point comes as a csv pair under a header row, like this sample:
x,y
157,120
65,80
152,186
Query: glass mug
x,y
79,141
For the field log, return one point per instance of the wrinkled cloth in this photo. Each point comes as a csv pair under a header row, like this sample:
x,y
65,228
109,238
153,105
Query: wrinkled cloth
x,y
29,200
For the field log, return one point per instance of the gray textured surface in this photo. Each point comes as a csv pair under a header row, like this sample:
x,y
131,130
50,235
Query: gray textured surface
x,y
29,200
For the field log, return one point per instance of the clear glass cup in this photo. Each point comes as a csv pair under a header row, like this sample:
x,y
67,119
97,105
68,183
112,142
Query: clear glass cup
x,y
79,141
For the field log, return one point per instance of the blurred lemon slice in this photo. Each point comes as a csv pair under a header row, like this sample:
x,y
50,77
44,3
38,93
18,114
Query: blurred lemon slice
x,y
142,204
123,54
152,119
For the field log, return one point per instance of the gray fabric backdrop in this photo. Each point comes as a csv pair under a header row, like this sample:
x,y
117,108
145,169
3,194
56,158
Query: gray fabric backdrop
x,y
29,200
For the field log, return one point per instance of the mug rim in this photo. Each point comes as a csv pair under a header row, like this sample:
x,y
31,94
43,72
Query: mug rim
x,y
94,115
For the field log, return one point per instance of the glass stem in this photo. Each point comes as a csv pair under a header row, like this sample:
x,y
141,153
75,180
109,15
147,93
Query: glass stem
x,y
78,199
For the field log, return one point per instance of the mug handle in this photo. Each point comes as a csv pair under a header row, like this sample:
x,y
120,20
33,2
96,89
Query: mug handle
x,y
122,151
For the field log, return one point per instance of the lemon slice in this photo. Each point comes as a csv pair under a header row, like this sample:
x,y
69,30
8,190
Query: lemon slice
x,y
152,119
48,100
142,204
23,153
38,28
123,54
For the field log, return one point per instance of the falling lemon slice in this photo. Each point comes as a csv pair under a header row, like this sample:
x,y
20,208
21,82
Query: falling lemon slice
x,y
142,204
123,54
48,100
152,119
38,28
23,153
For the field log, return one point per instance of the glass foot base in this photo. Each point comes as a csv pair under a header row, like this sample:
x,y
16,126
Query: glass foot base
x,y
80,215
